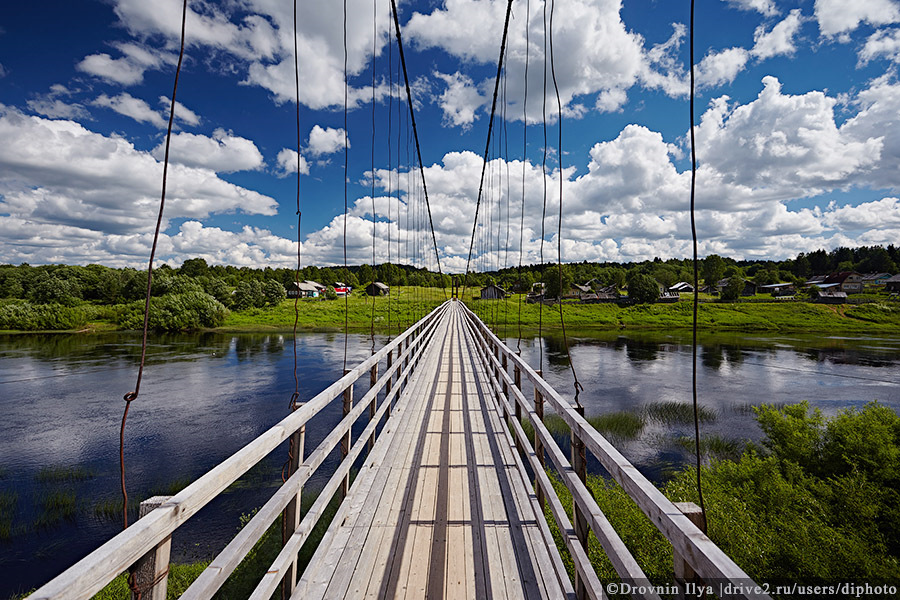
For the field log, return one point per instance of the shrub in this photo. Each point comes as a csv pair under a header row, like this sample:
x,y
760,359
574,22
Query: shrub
x,y
25,316
176,312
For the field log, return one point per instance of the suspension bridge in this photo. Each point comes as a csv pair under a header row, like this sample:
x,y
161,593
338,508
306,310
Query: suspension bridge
x,y
451,498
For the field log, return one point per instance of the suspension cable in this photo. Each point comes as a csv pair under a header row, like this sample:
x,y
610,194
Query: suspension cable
x,y
524,155
562,320
412,115
131,396
374,216
487,144
544,204
696,291
346,172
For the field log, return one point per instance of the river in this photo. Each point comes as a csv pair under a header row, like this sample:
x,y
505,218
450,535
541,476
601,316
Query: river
x,y
206,395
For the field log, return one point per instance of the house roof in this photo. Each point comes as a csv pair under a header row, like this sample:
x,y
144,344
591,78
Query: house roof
x,y
493,285
681,285
876,276
776,286
839,277
832,294
315,284
306,286
380,285
893,279
583,288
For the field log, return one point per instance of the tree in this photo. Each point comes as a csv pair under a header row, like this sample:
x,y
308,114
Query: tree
x,y
553,280
733,289
50,289
194,267
249,294
274,292
365,274
713,269
642,288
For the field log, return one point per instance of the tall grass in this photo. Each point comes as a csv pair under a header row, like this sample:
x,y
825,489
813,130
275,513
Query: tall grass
x,y
8,502
674,413
64,474
621,425
55,506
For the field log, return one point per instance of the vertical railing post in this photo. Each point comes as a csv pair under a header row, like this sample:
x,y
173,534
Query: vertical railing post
x,y
684,573
292,511
345,442
390,381
373,406
538,445
505,364
151,572
517,381
579,465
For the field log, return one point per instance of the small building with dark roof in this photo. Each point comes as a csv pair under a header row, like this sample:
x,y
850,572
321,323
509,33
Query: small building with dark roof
x,y
376,288
892,284
848,281
492,292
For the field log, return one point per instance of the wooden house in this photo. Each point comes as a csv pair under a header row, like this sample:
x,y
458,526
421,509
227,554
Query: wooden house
x,y
493,292
376,288
848,281
305,289
893,284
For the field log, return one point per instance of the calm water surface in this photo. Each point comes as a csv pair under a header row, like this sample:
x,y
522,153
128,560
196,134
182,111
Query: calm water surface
x,y
205,396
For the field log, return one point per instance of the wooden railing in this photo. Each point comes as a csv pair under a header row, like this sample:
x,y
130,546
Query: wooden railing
x,y
153,531
690,545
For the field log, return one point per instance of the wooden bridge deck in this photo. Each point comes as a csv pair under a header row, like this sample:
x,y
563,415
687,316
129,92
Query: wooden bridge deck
x,y
442,506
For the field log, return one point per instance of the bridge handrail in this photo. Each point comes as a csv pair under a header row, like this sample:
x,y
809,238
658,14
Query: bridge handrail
x,y
700,552
88,576
620,557
217,572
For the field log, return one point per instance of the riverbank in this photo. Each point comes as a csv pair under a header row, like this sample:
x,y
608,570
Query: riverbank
x,y
408,304
392,314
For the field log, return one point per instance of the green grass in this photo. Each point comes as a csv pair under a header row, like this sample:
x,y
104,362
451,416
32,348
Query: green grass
x,y
56,506
64,474
713,447
672,413
403,307
180,578
8,502
111,508
620,425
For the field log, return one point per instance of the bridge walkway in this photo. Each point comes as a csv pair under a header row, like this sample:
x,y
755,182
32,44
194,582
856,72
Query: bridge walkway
x,y
442,507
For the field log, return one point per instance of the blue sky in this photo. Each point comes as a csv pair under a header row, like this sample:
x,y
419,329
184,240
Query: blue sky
x,y
798,111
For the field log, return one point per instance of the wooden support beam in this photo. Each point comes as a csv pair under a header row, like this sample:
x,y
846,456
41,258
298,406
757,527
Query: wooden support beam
x,y
373,405
517,382
151,572
346,442
683,572
579,465
292,511
538,445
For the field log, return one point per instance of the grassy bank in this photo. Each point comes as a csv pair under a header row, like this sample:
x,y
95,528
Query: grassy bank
x,y
408,304
391,314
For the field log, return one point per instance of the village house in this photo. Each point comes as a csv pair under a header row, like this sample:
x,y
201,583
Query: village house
x,y
778,290
875,280
305,289
376,288
749,287
493,292
682,287
847,281
893,284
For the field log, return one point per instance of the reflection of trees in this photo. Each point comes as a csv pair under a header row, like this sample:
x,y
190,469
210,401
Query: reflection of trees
x,y
641,351
712,357
556,350
106,349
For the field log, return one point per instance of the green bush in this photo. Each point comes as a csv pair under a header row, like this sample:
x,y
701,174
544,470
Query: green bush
x,y
176,312
25,316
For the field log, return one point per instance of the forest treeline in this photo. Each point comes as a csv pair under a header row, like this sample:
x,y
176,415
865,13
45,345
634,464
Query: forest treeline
x,y
197,294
